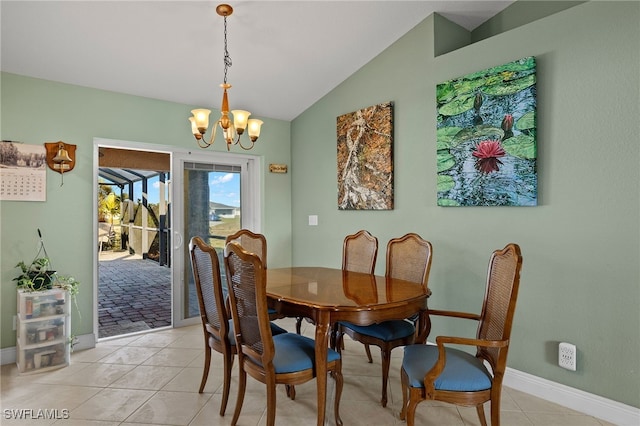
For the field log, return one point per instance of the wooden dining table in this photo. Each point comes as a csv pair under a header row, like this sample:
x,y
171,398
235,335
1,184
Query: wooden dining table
x,y
327,295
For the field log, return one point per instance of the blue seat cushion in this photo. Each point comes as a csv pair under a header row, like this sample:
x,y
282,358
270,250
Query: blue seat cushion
x,y
388,330
275,329
296,353
463,372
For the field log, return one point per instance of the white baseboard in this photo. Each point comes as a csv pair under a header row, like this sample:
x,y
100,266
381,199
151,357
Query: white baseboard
x,y
8,355
84,341
575,399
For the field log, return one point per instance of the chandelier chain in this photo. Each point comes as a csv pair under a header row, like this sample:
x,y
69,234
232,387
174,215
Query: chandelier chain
x,y
227,58
232,128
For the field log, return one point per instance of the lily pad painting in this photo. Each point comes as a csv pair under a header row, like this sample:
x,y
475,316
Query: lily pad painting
x,y
486,137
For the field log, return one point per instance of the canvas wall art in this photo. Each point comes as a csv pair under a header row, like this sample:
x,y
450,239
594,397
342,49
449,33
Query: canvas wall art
x,y
365,158
486,137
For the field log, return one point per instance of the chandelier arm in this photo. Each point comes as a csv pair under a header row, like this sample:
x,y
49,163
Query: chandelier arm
x,y
202,143
199,142
239,142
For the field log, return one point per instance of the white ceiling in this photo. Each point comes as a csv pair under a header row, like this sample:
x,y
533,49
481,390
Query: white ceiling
x,y
286,54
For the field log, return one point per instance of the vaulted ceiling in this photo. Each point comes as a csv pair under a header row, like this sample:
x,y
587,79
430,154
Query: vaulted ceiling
x,y
285,54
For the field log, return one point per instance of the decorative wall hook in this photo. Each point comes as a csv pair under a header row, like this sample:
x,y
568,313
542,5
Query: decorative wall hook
x,y
61,157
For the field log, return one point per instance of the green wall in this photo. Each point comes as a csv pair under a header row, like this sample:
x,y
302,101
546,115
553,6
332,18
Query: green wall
x,y
36,111
520,13
581,245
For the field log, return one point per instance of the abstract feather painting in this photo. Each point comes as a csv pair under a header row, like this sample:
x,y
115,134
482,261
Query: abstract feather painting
x,y
365,158
486,137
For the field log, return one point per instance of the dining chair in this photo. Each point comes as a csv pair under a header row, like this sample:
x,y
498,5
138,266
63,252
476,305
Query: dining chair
x,y
443,373
359,252
286,358
251,242
257,244
409,259
216,321
214,315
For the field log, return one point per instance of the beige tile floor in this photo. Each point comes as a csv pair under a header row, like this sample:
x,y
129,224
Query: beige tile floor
x,y
153,379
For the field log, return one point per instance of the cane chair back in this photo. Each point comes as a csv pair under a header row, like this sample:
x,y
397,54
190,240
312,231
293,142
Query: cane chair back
x,y
251,242
444,373
257,244
409,259
359,252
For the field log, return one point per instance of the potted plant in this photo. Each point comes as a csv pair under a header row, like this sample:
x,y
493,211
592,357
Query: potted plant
x,y
36,276
39,276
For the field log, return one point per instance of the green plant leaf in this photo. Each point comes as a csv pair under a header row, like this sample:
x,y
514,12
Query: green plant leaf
x,y
445,161
444,92
446,202
521,65
445,183
458,105
445,136
527,121
469,85
478,132
521,146
510,87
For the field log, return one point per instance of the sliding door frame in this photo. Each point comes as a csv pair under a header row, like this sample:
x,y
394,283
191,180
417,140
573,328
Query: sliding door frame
x,y
251,205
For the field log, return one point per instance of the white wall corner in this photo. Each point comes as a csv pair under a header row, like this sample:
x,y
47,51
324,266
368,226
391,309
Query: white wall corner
x,y
84,341
575,399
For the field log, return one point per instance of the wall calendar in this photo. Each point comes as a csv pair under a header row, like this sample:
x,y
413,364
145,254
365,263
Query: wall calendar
x,y
23,172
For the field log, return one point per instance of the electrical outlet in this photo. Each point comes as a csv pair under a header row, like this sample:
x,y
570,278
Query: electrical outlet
x,y
567,356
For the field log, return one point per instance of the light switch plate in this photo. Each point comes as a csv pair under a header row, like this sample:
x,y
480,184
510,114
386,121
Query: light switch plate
x,y
313,220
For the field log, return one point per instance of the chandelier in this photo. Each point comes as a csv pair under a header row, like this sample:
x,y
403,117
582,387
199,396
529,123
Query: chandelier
x,y
231,130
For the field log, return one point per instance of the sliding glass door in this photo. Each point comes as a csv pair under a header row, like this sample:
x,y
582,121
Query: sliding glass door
x,y
214,195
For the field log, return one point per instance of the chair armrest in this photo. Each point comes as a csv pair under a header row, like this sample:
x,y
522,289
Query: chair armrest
x,y
431,375
464,315
441,340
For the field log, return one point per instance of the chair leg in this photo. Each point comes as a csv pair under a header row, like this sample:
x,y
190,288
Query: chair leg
x,y
271,401
333,334
338,344
228,364
495,408
207,363
411,412
337,376
298,324
386,362
368,351
405,395
482,418
291,392
242,384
